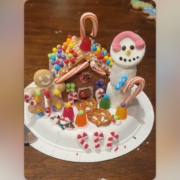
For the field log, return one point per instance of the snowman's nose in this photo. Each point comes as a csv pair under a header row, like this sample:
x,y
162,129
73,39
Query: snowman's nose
x,y
128,52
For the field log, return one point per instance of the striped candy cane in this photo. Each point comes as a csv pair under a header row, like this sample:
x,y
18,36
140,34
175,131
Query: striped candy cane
x,y
129,85
73,71
82,24
112,138
97,136
81,139
95,68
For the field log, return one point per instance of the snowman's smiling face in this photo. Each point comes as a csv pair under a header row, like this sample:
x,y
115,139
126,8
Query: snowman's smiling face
x,y
128,55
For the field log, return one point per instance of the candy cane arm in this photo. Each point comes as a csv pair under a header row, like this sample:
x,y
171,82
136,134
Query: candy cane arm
x,y
97,69
135,80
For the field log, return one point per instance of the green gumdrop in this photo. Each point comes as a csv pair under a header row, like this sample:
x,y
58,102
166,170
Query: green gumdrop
x,y
104,103
72,89
73,85
49,55
68,85
80,112
38,93
68,89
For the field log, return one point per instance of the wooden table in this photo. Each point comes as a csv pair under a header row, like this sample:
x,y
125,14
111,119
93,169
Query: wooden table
x,y
47,23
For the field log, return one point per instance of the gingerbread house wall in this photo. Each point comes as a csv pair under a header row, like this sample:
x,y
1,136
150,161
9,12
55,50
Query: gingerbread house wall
x,y
89,87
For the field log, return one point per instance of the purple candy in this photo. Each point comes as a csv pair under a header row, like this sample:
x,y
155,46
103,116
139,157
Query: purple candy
x,y
59,55
123,104
104,87
96,44
63,56
59,50
96,82
97,87
53,62
101,83
54,108
61,64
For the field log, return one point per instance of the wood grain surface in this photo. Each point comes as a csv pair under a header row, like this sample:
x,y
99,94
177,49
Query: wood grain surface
x,y
46,24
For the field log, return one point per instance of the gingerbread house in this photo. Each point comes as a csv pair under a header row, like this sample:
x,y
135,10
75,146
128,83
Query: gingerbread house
x,y
81,63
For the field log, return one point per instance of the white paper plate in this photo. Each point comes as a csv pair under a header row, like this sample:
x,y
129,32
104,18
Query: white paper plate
x,y
52,139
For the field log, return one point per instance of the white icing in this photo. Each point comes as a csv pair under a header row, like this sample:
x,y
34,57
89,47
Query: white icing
x,y
48,76
40,78
46,83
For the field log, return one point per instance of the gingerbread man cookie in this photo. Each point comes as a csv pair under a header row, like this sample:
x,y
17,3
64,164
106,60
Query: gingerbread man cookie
x,y
45,87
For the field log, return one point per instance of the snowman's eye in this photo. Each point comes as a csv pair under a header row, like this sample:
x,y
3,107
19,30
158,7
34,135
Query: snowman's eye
x,y
131,47
124,48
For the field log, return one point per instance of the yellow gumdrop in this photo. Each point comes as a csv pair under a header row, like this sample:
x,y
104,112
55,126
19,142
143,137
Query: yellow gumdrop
x,y
38,110
58,106
71,45
67,51
106,57
37,99
56,92
68,105
54,49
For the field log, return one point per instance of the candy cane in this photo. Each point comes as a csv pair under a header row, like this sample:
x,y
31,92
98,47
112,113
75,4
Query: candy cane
x,y
73,71
129,85
97,136
112,138
81,139
82,24
72,96
97,69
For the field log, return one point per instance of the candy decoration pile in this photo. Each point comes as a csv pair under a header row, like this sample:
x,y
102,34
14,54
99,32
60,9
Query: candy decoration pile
x,y
151,13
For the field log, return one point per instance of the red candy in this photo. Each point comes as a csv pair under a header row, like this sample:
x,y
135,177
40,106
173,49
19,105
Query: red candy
x,y
75,54
66,61
104,60
102,56
72,59
83,95
46,92
57,61
64,48
70,36
99,56
71,51
59,47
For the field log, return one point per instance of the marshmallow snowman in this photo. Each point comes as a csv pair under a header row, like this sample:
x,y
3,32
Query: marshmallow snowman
x,y
127,50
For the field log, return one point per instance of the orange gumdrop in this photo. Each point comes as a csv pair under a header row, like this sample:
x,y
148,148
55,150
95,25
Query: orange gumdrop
x,y
81,119
121,111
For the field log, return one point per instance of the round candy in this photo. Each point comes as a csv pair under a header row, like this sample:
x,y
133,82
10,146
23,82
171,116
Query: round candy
x,y
106,57
104,60
58,106
96,52
66,61
68,105
68,39
124,78
102,56
97,87
68,90
123,104
65,44
54,49
53,62
99,56
111,64
38,93
94,48
59,55
72,89
80,112
68,85
54,108
116,117
108,61
83,94
121,83
75,54
59,46
46,92
40,114
73,85
37,99
117,87
106,96
67,51
57,61
71,45
103,87
53,58
57,67
97,82
61,64
72,60
56,92
63,56
71,51
59,50
64,48
38,110
70,36
69,55
49,55
105,53
101,83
